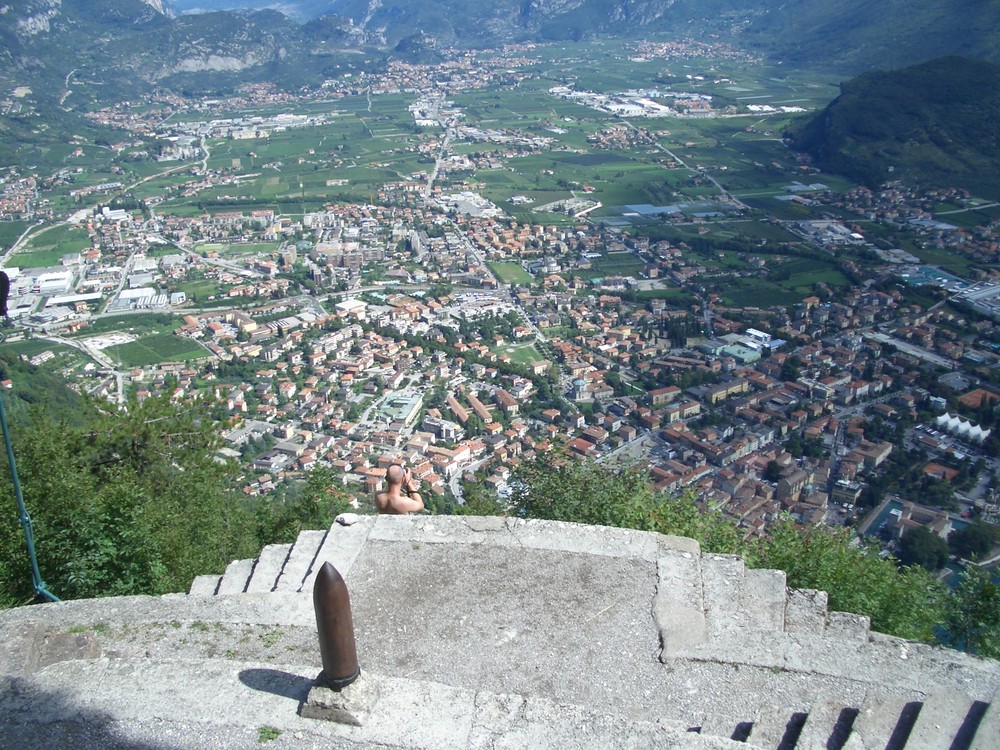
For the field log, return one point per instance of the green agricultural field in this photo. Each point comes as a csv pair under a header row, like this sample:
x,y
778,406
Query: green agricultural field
x,y
249,248
31,347
160,251
788,282
47,247
950,262
783,210
511,273
151,350
66,359
967,218
10,231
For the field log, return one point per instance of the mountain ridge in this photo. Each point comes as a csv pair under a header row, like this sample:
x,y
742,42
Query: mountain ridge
x,y
933,123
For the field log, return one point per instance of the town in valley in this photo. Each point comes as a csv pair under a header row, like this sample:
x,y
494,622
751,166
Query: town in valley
x,y
471,263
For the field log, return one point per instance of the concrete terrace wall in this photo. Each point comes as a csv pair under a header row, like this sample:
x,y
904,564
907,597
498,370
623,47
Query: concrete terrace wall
x,y
489,633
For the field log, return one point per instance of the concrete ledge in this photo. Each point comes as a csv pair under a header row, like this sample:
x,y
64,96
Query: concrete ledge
x,y
678,607
236,577
556,536
300,560
848,627
443,530
763,599
890,663
603,541
264,609
680,627
205,585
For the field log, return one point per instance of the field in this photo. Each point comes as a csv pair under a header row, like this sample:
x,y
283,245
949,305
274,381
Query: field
x,y
66,358
48,246
511,273
236,250
139,325
198,290
151,350
10,231
616,264
524,354
788,283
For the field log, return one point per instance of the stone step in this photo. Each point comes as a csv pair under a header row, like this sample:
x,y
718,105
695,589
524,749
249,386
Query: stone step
x,y
776,728
148,703
762,602
884,723
987,735
267,568
236,577
827,726
805,611
848,627
300,560
342,545
722,580
947,720
678,607
204,585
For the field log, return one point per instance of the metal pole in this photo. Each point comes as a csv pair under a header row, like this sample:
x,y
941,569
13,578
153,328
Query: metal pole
x,y
36,577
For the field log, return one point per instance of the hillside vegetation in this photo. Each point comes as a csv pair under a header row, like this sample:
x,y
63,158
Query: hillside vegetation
x,y
934,124
132,500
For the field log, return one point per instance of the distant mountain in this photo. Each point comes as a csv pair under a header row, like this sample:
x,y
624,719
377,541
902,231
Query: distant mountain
x,y
125,47
934,124
858,35
847,35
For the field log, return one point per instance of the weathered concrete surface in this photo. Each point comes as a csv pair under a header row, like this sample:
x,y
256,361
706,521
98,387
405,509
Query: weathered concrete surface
x,y
481,633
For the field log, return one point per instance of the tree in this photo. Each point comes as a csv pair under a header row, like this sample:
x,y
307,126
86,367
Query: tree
x,y
772,473
136,500
973,541
565,490
132,501
973,620
906,602
312,503
921,546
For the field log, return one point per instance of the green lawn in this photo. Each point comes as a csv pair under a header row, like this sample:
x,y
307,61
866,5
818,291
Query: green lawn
x,y
523,354
140,325
618,264
151,350
198,290
511,273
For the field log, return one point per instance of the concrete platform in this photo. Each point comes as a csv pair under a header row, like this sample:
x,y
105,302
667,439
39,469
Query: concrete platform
x,y
488,633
